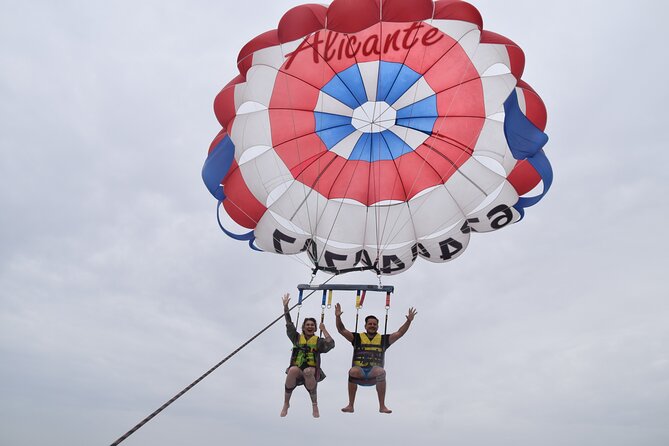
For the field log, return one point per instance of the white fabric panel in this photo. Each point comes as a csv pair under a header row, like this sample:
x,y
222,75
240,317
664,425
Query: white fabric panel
x,y
413,138
471,42
388,225
496,90
340,222
446,247
488,55
328,104
417,92
492,144
521,100
470,185
404,254
259,86
250,130
274,174
239,92
264,233
301,205
272,56
329,255
433,212
490,220
344,147
454,28
370,78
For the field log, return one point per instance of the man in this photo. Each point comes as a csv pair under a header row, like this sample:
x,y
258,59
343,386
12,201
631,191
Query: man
x,y
368,356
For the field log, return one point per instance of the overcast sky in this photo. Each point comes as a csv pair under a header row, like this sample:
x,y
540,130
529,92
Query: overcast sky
x,y
117,289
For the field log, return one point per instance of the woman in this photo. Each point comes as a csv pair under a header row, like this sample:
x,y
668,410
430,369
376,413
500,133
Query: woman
x,y
305,359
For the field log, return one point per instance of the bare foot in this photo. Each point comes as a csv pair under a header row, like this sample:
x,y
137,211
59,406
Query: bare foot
x,y
284,411
347,409
315,412
384,409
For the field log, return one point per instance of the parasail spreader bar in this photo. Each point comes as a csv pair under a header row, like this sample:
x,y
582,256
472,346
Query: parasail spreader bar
x,y
345,287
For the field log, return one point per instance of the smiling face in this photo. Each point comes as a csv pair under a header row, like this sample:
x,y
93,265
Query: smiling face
x,y
371,325
309,326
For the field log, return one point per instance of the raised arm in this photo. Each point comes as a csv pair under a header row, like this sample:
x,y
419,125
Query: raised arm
x,y
286,312
291,331
405,326
340,325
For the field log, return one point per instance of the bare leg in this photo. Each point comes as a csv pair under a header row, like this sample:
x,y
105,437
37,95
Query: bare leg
x,y
380,375
381,391
355,372
291,382
310,384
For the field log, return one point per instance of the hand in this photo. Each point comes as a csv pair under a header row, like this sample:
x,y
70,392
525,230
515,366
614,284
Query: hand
x,y
338,311
322,327
412,313
286,299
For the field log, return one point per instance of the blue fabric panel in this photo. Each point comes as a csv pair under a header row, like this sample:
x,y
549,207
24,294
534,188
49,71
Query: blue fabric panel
x,y
396,146
353,80
378,147
361,148
523,137
332,136
425,125
338,90
217,165
325,121
526,141
388,72
406,77
426,108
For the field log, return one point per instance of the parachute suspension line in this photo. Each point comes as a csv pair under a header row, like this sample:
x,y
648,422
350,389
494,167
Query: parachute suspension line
x,y
385,324
299,307
207,373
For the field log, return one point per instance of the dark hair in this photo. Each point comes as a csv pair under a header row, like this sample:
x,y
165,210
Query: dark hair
x,y
371,317
309,319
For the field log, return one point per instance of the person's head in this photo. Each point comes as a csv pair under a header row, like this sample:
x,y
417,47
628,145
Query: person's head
x,y
371,324
309,326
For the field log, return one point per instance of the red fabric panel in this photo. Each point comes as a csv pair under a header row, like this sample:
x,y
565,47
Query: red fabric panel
x,y
451,70
432,46
240,204
535,109
307,62
516,55
298,153
301,21
444,157
524,177
290,124
416,174
222,134
463,100
406,11
293,93
351,16
224,104
457,10
264,40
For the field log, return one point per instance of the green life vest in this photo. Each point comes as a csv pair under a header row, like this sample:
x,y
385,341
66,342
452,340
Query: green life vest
x,y
369,352
304,352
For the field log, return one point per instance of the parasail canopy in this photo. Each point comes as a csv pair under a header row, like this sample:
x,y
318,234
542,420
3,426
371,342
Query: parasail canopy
x,y
369,133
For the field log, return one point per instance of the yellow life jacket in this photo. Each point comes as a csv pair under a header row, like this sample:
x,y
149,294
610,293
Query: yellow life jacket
x,y
305,352
369,352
